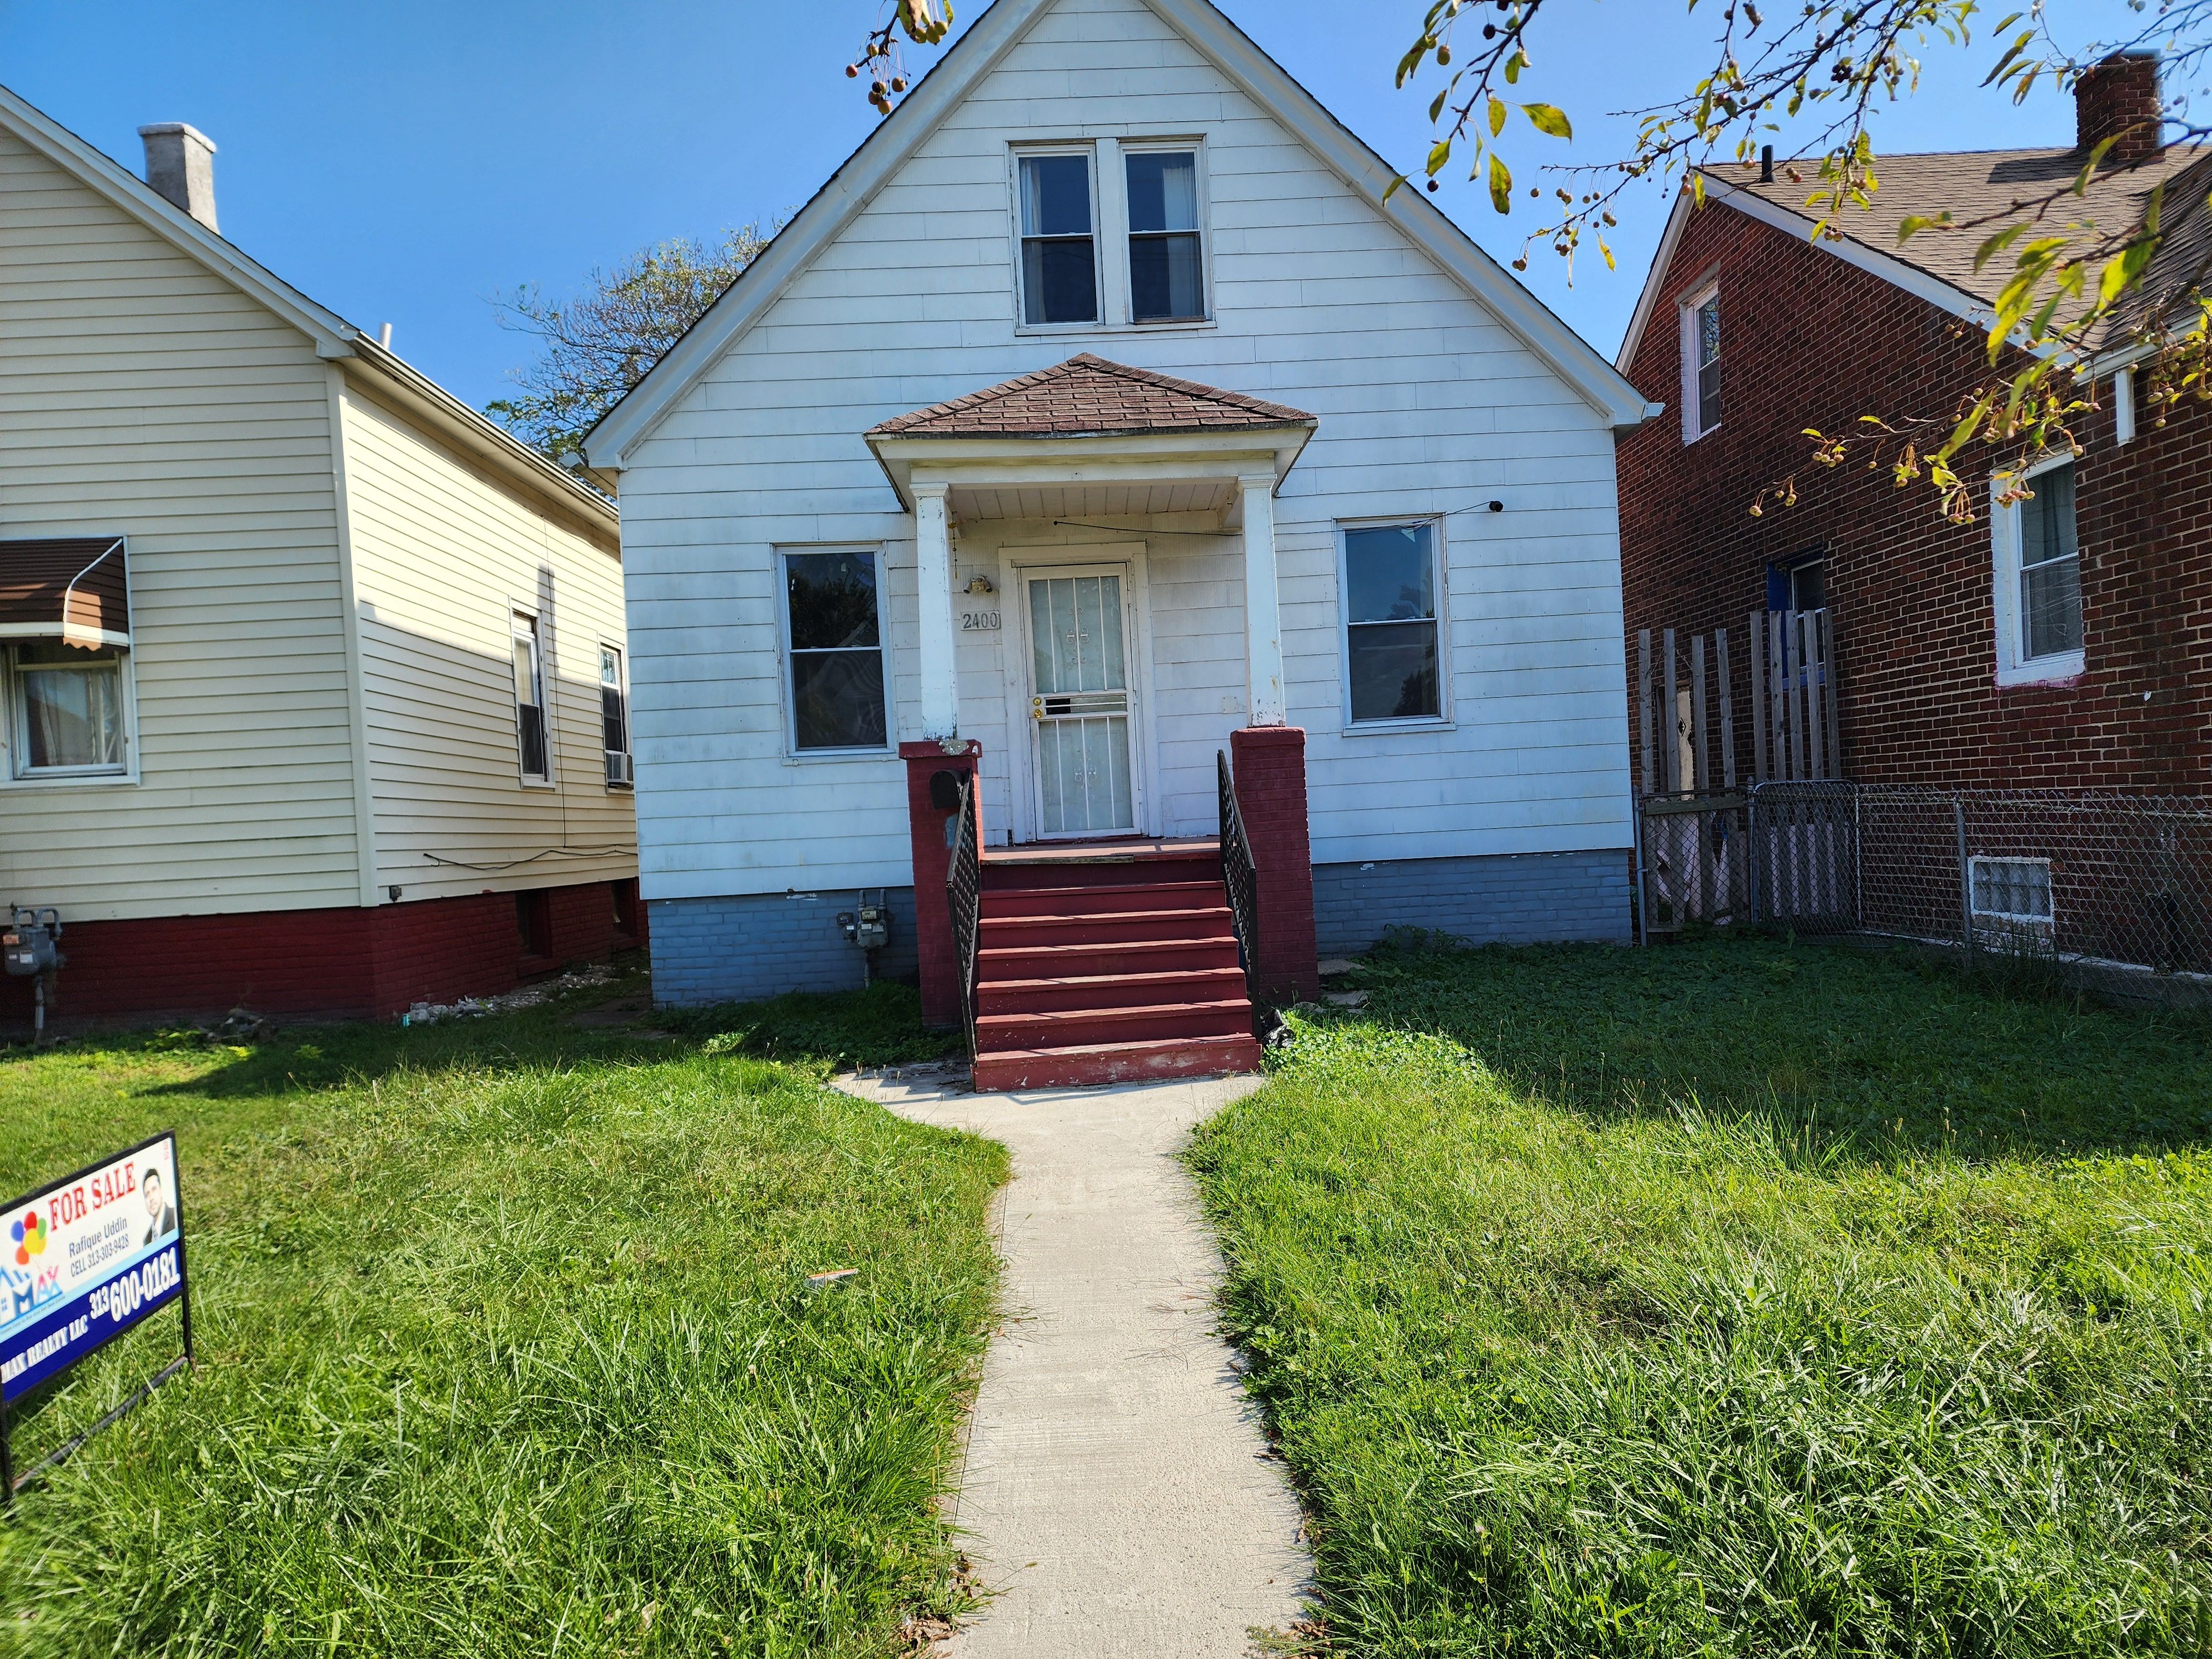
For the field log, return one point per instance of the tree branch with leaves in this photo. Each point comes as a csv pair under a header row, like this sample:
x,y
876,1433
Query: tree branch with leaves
x,y
594,347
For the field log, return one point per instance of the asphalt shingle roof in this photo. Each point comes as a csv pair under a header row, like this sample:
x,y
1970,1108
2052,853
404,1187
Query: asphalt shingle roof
x,y
1087,396
1996,186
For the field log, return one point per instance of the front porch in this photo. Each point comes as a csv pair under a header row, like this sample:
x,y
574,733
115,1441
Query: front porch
x,y
1098,610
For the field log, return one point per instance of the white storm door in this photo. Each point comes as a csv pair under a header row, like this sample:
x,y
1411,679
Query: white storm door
x,y
1080,703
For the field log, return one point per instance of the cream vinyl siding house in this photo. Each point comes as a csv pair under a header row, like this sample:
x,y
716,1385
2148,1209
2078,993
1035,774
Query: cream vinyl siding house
x,y
142,394
326,554
1437,387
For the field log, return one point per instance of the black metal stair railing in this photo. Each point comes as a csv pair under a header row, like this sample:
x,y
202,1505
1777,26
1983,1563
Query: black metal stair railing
x,y
1239,876
963,894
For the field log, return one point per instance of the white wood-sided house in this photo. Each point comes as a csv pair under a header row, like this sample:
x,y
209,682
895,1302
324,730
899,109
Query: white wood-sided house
x,y
1099,407
312,680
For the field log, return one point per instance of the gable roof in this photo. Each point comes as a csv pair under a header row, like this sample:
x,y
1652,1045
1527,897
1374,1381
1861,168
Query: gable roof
x,y
1970,185
1088,397
335,339
949,82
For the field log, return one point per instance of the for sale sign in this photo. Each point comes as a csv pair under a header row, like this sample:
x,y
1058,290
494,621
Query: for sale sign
x,y
85,1260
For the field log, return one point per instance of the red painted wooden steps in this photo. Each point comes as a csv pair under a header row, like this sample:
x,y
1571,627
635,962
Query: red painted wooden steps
x,y
1109,962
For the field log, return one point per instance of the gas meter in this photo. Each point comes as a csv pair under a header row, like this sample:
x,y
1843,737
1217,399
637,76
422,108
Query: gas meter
x,y
31,949
31,942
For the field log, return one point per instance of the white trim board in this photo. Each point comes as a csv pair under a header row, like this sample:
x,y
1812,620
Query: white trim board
x,y
948,84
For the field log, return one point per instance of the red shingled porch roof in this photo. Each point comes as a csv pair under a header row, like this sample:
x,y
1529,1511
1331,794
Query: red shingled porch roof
x,y
1087,396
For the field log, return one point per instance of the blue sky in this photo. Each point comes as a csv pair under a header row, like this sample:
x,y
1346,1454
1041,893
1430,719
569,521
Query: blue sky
x,y
407,160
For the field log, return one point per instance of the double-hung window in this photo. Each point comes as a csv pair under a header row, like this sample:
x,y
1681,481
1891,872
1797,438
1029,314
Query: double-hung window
x,y
1392,623
833,622
1167,283
614,715
1701,364
1060,256
537,759
67,709
2038,568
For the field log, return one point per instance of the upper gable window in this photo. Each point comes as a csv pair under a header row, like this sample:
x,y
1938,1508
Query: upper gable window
x,y
1701,363
1166,279
1060,261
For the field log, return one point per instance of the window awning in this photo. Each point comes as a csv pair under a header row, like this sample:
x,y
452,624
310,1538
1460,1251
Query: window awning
x,y
71,589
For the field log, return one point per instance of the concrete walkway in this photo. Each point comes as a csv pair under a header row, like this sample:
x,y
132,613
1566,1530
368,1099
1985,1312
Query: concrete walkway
x,y
1118,1500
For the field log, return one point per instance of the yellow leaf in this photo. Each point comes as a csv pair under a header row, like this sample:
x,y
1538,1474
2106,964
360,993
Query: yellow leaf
x,y
1549,119
1501,185
1496,116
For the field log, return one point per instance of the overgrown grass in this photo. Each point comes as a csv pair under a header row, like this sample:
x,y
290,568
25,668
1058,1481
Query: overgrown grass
x,y
507,1346
1734,1299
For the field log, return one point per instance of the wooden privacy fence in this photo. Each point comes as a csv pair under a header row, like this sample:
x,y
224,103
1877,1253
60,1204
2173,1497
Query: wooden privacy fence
x,y
1694,847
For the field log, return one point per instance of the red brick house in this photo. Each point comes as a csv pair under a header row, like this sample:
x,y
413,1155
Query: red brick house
x,y
2065,640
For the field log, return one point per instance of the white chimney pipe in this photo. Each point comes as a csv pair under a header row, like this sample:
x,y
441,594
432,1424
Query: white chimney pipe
x,y
181,165
384,336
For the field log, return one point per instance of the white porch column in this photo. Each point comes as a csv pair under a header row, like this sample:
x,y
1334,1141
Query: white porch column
x,y
1263,628
933,540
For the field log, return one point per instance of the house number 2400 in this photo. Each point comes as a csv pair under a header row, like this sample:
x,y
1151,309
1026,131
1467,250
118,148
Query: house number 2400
x,y
978,621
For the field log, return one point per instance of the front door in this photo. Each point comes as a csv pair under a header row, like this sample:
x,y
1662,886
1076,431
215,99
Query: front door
x,y
1080,707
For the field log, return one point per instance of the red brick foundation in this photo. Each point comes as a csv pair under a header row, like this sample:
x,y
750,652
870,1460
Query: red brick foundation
x,y
341,963
1270,766
932,856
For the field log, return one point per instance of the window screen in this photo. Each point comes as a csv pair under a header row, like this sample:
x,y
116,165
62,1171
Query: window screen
x,y
1060,270
2050,568
1166,283
1705,333
837,651
530,701
614,714
1390,622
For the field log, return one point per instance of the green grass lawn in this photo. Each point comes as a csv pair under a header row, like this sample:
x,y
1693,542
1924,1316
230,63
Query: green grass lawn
x,y
1733,1298
506,1345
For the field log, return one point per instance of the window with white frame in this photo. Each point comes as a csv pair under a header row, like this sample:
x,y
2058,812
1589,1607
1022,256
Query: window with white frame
x,y
2037,562
614,715
535,753
68,710
1167,280
1392,624
834,635
1059,221
1701,363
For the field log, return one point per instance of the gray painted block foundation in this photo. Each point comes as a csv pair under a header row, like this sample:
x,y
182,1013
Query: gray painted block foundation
x,y
751,946
1522,898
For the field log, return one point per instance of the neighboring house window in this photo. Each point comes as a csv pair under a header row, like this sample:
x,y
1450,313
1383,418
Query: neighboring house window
x,y
530,702
1391,624
1060,264
834,629
614,714
1701,364
1166,271
67,710
1808,585
2038,568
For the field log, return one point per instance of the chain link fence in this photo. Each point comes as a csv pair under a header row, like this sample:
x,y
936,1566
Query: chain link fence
x,y
2102,880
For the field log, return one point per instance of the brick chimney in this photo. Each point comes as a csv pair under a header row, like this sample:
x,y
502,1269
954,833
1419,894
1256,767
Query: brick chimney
x,y
181,165
2119,98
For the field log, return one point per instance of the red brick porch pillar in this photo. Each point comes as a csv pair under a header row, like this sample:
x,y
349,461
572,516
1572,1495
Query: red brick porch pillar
x,y
1270,767
931,824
